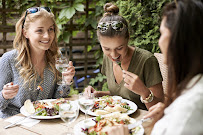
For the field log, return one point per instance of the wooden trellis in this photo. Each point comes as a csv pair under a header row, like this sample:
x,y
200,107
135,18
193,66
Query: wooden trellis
x,y
77,47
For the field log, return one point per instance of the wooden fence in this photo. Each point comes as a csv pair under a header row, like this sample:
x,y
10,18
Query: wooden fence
x,y
77,47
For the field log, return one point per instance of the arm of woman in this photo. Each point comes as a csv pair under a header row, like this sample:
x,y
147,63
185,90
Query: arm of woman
x,y
90,89
6,90
133,83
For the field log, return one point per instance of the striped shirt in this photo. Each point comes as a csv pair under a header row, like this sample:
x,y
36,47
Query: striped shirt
x,y
9,73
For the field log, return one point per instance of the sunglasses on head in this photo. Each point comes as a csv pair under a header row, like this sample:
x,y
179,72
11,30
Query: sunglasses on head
x,y
116,25
34,10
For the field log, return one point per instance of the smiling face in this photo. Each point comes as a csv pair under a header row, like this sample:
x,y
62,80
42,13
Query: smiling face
x,y
114,47
40,34
164,39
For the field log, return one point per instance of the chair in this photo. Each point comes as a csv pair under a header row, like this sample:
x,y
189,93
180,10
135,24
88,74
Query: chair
x,y
164,70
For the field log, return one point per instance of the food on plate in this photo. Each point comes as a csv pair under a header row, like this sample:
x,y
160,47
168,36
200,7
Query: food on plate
x,y
51,106
108,104
29,106
39,88
102,123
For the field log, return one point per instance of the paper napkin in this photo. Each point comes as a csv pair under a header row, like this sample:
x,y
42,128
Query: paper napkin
x,y
28,122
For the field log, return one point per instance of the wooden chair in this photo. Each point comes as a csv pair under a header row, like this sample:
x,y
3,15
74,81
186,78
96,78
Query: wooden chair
x,y
164,70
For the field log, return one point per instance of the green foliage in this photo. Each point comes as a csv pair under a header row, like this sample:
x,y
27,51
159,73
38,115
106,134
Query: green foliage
x,y
98,78
73,91
144,19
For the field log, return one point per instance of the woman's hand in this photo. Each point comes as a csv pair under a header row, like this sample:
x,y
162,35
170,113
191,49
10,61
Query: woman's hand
x,y
10,91
156,111
70,73
117,130
133,83
89,90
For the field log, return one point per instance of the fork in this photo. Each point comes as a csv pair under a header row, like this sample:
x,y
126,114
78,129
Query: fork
x,y
37,89
138,123
29,116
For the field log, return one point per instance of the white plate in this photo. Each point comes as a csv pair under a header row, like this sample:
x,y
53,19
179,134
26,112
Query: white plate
x,y
78,128
132,105
25,113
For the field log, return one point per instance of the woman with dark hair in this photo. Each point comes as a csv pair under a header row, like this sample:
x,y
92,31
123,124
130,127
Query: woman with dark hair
x,y
132,73
181,43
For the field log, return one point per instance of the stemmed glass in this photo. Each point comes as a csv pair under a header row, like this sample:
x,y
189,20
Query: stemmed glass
x,y
86,102
62,65
69,112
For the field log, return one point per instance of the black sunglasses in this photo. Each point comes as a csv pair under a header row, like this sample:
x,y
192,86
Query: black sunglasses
x,y
34,10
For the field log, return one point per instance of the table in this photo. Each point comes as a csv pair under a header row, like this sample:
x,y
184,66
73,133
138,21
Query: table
x,y
57,126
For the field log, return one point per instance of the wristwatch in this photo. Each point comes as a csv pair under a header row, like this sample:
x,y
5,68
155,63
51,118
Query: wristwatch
x,y
148,99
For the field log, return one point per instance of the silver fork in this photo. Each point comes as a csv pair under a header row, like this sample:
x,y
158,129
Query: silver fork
x,y
29,116
138,123
37,89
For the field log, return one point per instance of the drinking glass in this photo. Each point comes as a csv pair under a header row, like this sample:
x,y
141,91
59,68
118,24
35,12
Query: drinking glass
x,y
69,113
61,65
86,102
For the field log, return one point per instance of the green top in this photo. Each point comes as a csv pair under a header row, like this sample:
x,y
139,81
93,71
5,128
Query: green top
x,y
144,64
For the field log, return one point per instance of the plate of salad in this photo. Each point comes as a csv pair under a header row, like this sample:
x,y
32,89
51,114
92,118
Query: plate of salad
x,y
109,104
50,106
99,124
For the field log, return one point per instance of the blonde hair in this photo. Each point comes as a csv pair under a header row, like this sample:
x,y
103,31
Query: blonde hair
x,y
24,63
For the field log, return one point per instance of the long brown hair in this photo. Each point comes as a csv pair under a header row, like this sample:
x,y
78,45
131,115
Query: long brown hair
x,y
185,50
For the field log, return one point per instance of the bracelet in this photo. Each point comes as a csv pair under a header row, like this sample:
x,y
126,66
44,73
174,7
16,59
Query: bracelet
x,y
148,99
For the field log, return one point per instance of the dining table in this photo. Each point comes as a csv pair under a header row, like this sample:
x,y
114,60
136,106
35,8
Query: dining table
x,y
58,127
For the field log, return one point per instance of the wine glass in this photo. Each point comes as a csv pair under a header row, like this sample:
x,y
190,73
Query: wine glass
x,y
62,65
69,112
86,102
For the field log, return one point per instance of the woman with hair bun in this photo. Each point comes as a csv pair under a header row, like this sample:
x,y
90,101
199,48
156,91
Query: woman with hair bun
x,y
132,73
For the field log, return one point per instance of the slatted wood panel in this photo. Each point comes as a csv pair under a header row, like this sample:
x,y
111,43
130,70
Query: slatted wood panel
x,y
77,47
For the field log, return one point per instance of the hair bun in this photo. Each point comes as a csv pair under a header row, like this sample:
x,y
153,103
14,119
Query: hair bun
x,y
110,9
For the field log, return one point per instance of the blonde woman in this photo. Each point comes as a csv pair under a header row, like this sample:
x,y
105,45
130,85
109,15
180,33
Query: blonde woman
x,y
32,63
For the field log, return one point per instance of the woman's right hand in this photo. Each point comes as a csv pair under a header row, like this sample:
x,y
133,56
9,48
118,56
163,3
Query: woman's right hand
x,y
10,91
156,111
90,89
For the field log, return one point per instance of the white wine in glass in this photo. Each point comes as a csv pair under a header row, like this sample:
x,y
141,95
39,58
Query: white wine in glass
x,y
69,113
61,65
86,102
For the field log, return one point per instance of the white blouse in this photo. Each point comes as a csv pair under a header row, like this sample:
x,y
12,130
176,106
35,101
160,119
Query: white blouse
x,y
185,115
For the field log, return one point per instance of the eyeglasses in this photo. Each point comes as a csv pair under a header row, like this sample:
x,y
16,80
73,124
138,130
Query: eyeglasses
x,y
116,25
34,10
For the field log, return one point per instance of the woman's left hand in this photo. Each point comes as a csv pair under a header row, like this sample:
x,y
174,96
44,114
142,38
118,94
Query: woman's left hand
x,y
69,74
133,83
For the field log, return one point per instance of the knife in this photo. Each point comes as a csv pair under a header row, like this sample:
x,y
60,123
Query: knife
x,y
29,116
138,123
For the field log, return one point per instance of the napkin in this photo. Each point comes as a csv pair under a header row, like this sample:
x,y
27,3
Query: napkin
x,y
28,122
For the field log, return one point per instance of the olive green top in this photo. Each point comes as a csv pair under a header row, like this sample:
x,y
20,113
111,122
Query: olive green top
x,y
144,64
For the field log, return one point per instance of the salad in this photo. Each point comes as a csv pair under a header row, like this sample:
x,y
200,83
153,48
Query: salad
x,y
51,107
108,104
101,123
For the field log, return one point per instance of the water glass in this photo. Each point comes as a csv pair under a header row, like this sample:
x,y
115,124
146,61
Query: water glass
x,y
86,102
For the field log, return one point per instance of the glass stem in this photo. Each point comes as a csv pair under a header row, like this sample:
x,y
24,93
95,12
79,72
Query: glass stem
x,y
63,79
85,114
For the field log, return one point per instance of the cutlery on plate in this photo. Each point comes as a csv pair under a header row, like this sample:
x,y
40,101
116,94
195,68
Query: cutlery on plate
x,y
138,123
29,116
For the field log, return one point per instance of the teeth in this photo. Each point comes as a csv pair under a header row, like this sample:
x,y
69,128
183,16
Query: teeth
x,y
44,41
115,58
